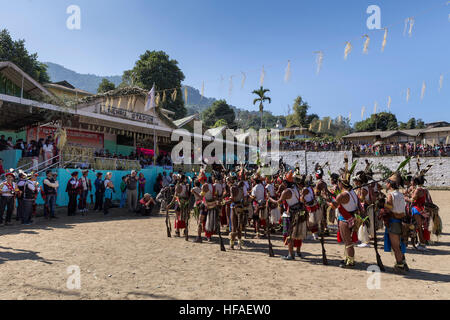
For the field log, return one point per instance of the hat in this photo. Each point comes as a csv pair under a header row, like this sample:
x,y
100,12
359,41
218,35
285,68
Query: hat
x,y
395,179
10,174
133,171
75,173
318,171
289,177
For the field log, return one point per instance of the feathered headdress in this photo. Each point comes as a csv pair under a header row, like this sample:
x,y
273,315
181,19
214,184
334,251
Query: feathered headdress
x,y
346,173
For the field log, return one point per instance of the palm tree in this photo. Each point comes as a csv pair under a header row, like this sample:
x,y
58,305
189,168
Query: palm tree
x,y
261,98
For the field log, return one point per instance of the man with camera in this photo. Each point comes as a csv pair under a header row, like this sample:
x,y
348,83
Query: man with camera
x,y
132,181
50,189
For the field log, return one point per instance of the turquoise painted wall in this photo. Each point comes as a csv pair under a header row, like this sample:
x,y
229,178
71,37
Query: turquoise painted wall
x,y
10,158
65,174
112,147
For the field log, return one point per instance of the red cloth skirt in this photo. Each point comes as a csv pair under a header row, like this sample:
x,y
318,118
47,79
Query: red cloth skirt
x,y
223,217
354,237
180,224
297,243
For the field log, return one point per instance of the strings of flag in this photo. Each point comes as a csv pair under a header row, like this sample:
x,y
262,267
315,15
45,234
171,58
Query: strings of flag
x,y
409,22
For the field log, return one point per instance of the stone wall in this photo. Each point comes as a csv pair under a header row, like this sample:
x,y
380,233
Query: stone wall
x,y
437,177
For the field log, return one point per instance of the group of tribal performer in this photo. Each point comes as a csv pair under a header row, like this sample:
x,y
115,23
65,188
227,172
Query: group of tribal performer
x,y
301,207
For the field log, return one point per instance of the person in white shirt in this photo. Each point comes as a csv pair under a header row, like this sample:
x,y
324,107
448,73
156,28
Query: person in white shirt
x,y
47,149
258,195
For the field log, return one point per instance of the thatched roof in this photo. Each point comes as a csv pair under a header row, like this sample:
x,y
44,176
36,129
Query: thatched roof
x,y
130,91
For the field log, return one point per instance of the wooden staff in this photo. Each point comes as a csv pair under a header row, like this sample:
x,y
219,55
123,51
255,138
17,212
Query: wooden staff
x,y
271,253
375,244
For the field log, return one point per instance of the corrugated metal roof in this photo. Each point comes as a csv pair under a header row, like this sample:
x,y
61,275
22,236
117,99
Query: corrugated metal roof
x,y
15,74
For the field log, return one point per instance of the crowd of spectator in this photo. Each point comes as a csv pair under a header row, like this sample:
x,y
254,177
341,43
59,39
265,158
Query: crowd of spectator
x,y
376,149
145,160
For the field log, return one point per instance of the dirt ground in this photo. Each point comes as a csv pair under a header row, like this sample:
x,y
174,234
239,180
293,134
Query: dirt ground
x,y
127,257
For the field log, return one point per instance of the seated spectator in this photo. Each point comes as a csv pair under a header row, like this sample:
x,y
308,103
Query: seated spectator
x,y
146,205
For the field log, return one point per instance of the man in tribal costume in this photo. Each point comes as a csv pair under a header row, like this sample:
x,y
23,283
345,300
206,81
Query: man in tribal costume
x,y
348,205
419,197
334,192
258,197
314,210
294,217
212,222
321,193
394,212
237,216
273,207
182,195
364,196
248,207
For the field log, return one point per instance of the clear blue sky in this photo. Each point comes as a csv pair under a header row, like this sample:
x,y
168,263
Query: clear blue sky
x,y
211,38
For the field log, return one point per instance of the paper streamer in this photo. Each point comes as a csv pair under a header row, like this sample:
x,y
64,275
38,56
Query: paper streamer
x,y
329,124
120,102
441,82
375,107
310,126
389,103
320,125
174,95
350,117
203,90
230,88
408,94
185,95
348,49
319,60
263,75
383,45
129,103
363,109
366,44
244,77
339,119
409,21
164,96
157,99
422,93
287,75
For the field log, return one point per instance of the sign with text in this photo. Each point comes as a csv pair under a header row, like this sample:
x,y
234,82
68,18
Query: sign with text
x,y
74,137
125,114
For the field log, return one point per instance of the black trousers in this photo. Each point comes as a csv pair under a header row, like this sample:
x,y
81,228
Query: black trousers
x,y
72,206
107,205
98,201
8,203
27,210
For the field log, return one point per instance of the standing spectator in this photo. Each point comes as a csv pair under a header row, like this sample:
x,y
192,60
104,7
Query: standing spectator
x,y
50,190
132,182
20,145
109,189
40,153
2,171
123,195
8,190
142,181
9,144
99,192
85,188
158,184
3,143
166,180
21,186
31,189
73,189
47,148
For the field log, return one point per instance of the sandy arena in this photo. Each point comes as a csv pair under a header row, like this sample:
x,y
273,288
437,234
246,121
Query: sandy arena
x,y
128,257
